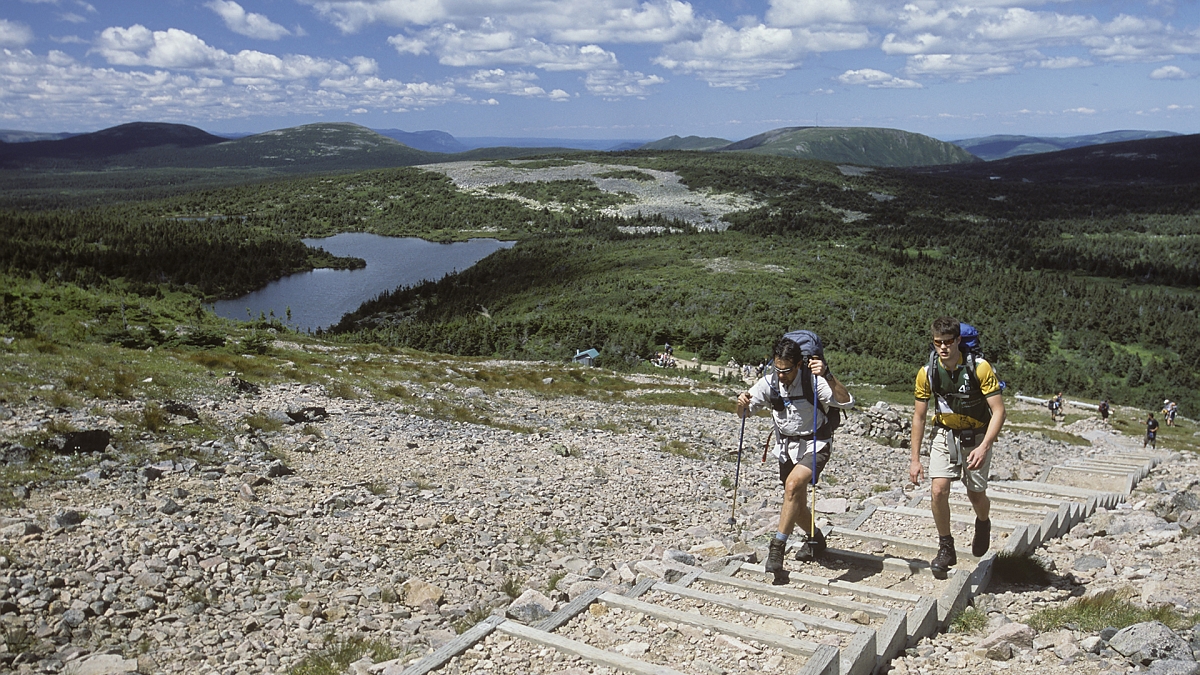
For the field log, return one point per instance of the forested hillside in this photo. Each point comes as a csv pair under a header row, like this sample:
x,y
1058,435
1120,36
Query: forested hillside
x,y
1086,287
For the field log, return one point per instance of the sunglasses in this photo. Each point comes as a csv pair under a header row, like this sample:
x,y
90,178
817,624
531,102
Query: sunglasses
x,y
945,343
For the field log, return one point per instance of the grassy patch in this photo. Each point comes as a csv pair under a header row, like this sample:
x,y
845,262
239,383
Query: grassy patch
x,y
1052,434
513,586
263,422
711,400
969,621
1107,608
335,658
627,174
471,618
680,448
552,582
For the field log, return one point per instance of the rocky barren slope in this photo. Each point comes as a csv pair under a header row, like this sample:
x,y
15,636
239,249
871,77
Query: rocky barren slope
x,y
357,520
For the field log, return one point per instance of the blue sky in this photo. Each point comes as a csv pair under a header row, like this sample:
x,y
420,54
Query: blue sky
x,y
620,69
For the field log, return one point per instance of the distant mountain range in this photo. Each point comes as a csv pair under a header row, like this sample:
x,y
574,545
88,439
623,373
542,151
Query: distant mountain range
x,y
346,146
1171,160
1000,147
866,146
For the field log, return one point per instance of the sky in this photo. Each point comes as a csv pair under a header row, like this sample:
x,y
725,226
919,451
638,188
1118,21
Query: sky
x,y
604,69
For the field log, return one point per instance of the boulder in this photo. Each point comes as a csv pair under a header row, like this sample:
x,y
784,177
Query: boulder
x,y
101,664
531,607
1150,641
416,592
1002,643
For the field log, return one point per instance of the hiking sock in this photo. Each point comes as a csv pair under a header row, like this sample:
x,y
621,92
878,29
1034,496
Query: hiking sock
x,y
782,536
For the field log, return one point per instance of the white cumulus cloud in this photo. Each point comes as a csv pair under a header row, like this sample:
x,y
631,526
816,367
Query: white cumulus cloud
x,y
876,79
14,34
1081,111
245,23
618,84
1169,73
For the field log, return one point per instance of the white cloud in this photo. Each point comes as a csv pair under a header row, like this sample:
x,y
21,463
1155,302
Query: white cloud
x,y
14,34
614,84
1169,73
484,48
823,92
876,79
569,21
500,81
407,45
1081,111
960,67
1060,62
728,57
249,24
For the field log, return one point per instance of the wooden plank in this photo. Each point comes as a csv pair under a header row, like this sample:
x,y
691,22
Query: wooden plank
x,y
954,596
997,524
858,657
784,593
852,587
862,517
641,587
1048,488
757,608
891,637
824,661
998,495
788,644
1014,540
732,568
901,542
888,563
688,578
922,620
597,656
456,646
1090,467
569,610
982,576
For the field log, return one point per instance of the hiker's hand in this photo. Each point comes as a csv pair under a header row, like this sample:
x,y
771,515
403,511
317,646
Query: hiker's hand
x,y
915,471
743,404
976,458
817,366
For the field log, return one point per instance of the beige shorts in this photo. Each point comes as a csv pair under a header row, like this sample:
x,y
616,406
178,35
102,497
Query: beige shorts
x,y
940,465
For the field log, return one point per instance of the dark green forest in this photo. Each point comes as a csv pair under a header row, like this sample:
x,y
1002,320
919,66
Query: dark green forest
x,y
1088,288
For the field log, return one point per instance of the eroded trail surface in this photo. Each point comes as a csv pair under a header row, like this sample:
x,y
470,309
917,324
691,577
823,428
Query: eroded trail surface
x,y
254,553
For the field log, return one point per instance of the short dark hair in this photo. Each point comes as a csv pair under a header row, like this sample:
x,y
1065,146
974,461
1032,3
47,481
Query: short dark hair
x,y
788,351
946,325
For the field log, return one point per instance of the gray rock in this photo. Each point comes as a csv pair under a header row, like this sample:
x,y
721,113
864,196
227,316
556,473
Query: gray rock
x,y
14,454
68,518
681,557
1189,523
531,607
1089,562
1001,643
278,469
101,664
74,618
1150,641
1174,667
169,507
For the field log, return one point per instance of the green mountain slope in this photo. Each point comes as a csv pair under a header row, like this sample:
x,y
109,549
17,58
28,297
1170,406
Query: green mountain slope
x,y
686,143
1003,146
866,146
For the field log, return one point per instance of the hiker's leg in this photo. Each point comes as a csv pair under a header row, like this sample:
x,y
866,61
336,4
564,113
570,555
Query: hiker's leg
x,y
981,503
940,502
795,494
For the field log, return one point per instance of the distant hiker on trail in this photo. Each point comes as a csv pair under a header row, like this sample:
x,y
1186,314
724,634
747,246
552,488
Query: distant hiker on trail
x,y
1103,408
1169,408
967,417
787,390
1151,432
1056,406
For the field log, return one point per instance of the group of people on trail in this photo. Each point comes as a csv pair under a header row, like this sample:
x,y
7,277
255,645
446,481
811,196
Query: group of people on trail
x,y
1056,406
805,399
1169,409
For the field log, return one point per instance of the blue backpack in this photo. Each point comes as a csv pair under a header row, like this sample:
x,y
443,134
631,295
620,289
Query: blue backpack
x,y
828,419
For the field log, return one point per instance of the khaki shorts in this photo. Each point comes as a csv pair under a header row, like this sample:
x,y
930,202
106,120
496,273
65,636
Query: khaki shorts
x,y
940,465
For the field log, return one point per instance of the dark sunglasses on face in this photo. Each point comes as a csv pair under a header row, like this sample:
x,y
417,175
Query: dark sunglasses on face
x,y
945,343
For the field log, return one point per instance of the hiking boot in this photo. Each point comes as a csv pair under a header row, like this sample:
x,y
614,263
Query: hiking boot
x,y
812,547
774,564
983,537
945,558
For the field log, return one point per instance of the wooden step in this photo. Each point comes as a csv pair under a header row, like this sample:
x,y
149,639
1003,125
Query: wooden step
x,y
566,645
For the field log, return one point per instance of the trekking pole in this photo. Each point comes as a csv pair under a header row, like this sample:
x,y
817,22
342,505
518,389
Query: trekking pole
x,y
738,473
812,534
